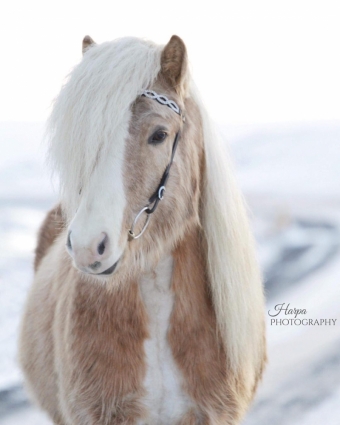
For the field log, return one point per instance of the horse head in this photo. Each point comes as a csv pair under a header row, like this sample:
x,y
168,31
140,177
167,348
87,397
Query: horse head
x,y
130,151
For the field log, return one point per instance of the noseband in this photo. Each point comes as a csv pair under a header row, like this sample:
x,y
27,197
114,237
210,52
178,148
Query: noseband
x,y
158,195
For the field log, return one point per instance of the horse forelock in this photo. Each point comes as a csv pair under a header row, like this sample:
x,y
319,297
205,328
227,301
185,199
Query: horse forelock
x,y
90,116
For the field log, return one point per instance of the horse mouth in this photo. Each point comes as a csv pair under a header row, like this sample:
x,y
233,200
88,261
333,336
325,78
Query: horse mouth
x,y
108,271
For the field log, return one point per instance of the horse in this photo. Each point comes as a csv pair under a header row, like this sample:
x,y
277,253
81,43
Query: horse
x,y
147,304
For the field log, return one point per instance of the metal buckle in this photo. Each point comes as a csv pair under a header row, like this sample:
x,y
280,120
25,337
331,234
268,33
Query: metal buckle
x,y
161,191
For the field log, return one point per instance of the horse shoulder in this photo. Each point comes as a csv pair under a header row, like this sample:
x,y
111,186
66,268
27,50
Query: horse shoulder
x,y
196,343
51,227
36,352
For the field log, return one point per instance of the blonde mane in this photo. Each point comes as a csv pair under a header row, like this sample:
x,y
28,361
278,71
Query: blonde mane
x,y
236,282
93,109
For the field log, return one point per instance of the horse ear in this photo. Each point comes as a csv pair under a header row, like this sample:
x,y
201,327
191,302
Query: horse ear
x,y
87,43
174,64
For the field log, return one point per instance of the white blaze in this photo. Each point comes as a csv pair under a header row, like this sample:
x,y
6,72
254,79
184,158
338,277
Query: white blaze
x,y
101,208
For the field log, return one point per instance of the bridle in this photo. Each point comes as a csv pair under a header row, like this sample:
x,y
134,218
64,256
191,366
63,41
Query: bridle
x,y
158,195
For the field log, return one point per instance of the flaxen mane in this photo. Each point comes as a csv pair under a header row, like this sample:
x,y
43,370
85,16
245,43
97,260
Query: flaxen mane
x,y
235,278
94,108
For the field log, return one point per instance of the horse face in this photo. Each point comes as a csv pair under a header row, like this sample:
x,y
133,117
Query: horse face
x,y
121,185
125,177
94,234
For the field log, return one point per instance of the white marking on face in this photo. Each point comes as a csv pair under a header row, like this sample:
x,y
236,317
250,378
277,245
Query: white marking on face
x,y
165,400
100,212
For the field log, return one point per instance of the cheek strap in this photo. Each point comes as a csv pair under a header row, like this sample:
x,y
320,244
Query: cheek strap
x,y
159,192
156,197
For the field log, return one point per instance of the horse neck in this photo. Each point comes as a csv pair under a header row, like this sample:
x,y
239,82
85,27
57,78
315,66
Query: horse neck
x,y
184,260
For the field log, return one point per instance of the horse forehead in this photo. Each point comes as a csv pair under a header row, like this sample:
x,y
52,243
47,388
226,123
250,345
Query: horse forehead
x,y
145,109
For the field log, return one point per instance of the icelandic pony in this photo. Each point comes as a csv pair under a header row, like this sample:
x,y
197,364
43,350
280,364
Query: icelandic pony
x,y
154,311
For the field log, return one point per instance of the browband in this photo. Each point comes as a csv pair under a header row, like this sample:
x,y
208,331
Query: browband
x,y
163,100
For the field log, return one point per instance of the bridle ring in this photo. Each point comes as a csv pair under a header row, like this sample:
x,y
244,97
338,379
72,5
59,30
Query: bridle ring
x,y
161,192
131,231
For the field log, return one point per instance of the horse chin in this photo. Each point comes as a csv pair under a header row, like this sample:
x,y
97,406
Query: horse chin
x,y
106,273
110,270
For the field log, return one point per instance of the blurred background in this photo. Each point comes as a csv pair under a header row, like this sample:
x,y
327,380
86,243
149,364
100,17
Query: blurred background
x,y
269,73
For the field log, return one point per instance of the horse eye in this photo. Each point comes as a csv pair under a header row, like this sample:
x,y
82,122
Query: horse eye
x,y
158,137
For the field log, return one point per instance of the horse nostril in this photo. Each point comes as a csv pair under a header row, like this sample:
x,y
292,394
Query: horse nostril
x,y
101,247
68,243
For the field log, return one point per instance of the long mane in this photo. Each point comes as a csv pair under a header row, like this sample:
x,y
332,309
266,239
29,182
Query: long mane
x,y
93,109
235,278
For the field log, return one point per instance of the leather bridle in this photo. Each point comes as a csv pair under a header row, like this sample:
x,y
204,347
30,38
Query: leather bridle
x,y
158,195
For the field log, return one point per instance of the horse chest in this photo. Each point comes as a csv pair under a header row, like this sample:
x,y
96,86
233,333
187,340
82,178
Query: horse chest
x,y
165,400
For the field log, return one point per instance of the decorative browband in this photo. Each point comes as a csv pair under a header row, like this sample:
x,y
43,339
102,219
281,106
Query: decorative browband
x,y
161,98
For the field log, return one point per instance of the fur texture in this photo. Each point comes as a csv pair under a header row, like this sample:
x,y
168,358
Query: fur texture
x,y
50,229
165,396
84,340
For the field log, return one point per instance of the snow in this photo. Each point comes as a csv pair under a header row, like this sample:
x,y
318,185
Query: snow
x,y
290,177
289,160
30,416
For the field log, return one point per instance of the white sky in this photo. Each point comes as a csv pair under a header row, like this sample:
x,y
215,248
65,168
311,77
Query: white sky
x,y
255,61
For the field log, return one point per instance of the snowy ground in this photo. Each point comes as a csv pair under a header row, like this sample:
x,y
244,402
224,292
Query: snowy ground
x,y
290,177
